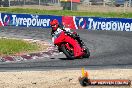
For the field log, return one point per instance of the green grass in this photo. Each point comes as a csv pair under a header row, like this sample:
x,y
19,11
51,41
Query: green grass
x,y
66,13
13,46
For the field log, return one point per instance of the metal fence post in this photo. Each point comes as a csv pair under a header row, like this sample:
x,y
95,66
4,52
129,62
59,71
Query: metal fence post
x,y
9,3
24,2
125,5
104,3
58,2
130,3
71,5
39,2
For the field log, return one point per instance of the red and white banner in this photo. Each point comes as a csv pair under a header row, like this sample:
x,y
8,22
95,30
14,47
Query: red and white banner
x,y
1,22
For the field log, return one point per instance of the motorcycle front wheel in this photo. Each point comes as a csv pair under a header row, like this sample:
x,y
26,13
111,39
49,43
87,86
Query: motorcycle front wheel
x,y
87,53
69,53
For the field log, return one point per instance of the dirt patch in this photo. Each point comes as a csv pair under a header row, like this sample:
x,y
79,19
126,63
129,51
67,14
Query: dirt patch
x,y
59,78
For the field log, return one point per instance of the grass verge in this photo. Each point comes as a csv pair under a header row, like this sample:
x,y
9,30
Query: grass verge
x,y
13,46
66,13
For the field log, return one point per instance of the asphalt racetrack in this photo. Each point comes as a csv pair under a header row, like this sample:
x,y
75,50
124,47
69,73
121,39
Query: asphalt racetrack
x,y
109,49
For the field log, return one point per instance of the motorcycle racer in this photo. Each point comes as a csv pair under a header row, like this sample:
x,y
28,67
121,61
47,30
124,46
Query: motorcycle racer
x,y
57,28
68,42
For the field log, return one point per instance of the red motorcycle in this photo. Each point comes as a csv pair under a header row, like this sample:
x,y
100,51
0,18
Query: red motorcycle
x,y
69,46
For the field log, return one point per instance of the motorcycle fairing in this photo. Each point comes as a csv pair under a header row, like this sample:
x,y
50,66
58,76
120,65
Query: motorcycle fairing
x,y
63,38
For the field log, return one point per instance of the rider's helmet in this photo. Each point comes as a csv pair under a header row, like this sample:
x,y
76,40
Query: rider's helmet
x,y
54,24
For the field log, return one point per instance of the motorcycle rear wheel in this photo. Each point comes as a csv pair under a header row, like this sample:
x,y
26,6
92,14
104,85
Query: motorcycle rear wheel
x,y
69,54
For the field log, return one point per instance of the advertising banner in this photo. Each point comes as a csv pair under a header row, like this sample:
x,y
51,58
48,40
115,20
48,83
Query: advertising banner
x,y
1,22
28,20
73,22
98,23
